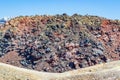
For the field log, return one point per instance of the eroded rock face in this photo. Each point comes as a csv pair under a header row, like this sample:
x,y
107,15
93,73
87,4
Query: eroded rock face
x,y
59,43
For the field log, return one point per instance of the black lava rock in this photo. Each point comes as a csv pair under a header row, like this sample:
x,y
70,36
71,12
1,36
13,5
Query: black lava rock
x,y
72,65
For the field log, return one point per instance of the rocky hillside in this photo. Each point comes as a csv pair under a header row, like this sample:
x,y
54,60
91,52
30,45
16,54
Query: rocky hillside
x,y
59,43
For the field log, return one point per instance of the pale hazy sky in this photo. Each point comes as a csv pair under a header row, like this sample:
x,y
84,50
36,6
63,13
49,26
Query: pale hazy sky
x,y
104,8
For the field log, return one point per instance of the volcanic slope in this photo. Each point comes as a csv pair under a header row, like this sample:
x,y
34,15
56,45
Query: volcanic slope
x,y
59,43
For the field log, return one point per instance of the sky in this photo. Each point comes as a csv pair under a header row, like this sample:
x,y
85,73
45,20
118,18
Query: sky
x,y
104,8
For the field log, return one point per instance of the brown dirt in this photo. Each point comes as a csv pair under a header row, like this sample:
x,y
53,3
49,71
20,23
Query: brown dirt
x,y
11,58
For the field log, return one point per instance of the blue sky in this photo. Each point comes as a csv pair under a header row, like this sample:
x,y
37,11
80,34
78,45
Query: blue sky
x,y
104,8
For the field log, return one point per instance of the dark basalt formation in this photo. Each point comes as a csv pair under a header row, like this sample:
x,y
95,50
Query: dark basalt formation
x,y
59,43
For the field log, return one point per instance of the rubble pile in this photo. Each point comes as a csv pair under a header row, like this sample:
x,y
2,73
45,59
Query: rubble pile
x,y
59,43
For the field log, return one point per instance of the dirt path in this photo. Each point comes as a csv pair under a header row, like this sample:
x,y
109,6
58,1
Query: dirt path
x,y
108,71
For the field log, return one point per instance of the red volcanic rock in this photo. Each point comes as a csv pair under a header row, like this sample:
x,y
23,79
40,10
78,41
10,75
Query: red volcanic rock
x,y
104,23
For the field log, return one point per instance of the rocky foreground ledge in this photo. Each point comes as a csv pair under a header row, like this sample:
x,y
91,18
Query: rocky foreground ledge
x,y
107,71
